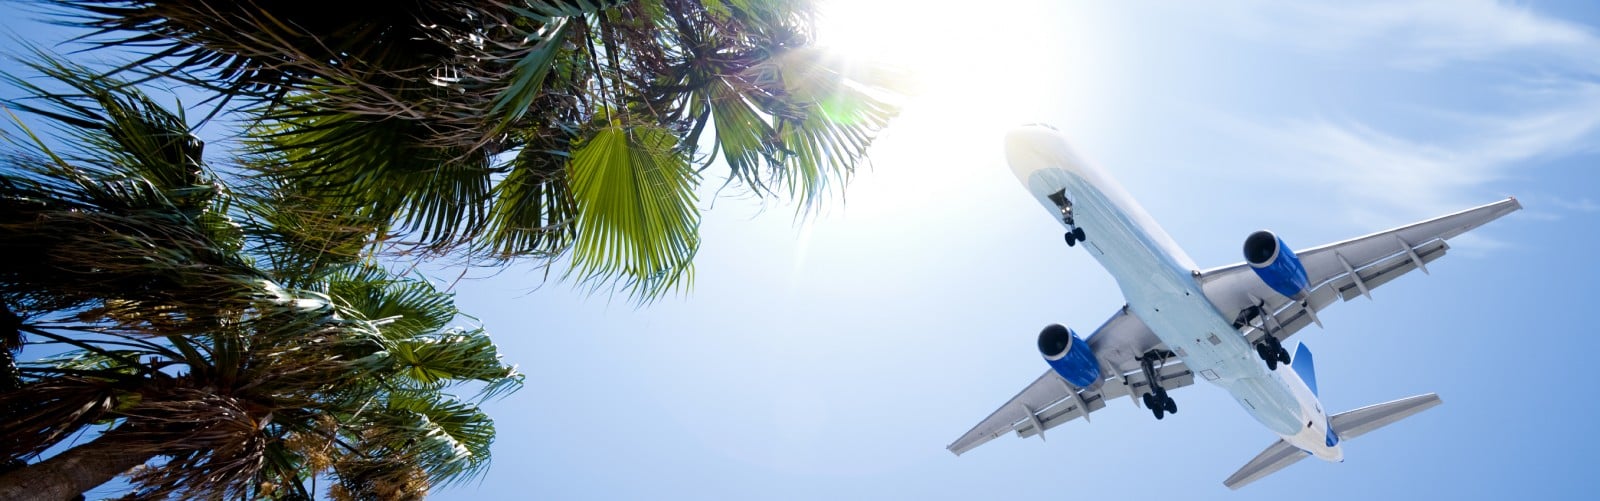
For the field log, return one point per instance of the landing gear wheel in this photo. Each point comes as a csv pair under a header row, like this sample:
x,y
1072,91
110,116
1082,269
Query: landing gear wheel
x,y
1272,352
1156,399
1071,239
1268,356
1078,234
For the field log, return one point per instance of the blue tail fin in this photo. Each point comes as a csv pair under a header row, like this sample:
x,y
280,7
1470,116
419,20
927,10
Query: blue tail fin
x,y
1302,366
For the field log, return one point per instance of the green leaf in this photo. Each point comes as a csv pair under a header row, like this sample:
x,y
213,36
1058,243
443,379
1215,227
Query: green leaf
x,y
528,76
637,219
533,210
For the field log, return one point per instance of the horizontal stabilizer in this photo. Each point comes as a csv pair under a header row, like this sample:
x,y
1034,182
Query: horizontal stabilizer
x,y
1347,425
1358,422
1277,456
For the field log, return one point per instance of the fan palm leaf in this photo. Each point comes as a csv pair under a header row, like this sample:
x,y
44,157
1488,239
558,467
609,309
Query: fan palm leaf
x,y
637,218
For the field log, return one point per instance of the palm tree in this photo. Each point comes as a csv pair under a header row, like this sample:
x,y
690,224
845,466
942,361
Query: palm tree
x,y
222,362
500,130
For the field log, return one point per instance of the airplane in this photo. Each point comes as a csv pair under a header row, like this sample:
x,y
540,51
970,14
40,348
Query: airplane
x,y
1225,325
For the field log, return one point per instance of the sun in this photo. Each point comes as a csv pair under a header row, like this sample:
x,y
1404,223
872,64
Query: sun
x,y
1006,63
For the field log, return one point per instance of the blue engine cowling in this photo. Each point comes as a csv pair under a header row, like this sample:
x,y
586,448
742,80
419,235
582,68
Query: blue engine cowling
x,y
1276,264
1069,355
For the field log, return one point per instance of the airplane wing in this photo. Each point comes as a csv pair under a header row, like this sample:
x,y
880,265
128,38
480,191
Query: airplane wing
x,y
1343,270
1051,401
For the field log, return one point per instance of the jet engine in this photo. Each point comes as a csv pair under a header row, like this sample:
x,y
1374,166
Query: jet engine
x,y
1069,356
1276,264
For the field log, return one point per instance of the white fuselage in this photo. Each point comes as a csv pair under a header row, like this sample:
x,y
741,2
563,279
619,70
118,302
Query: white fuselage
x,y
1158,281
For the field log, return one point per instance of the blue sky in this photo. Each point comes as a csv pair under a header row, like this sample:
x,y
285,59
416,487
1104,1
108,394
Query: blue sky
x,y
836,357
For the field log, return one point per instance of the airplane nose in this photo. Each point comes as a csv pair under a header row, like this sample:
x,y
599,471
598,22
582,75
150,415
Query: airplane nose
x,y
1027,147
1036,147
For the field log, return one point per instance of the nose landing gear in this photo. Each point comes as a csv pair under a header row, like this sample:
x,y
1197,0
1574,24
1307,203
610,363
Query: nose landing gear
x,y
1074,236
1065,206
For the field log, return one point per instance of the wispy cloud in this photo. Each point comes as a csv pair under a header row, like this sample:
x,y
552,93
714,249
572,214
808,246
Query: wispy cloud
x,y
1580,205
1386,172
1421,34
1515,118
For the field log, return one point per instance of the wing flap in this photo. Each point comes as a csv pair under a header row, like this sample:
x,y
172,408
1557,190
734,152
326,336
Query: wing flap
x,y
1350,285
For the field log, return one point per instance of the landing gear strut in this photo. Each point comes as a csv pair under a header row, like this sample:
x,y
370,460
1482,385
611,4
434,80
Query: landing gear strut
x,y
1269,348
1065,206
1156,399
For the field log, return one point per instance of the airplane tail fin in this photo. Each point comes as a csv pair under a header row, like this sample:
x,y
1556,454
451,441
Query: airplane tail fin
x,y
1347,425
1302,365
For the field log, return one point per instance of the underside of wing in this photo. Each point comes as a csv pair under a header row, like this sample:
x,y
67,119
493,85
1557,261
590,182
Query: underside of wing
x,y
1339,271
1050,400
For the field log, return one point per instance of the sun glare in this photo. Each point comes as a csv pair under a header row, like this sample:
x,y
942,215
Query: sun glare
x,y
1012,62
976,74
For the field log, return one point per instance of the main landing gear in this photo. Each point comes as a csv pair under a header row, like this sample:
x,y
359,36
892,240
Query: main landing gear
x,y
1156,399
1269,348
1065,206
1272,352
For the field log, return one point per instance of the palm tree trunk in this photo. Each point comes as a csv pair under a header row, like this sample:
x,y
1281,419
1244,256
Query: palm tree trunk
x,y
75,470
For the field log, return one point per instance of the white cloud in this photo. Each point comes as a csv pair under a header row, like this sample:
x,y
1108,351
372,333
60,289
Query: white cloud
x,y
1391,172
1421,34
1514,118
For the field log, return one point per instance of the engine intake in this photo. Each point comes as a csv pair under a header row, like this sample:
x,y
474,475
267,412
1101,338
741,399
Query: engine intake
x,y
1069,355
1276,264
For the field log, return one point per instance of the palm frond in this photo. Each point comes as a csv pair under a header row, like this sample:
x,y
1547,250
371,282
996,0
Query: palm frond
x,y
446,438
404,308
529,72
533,210
454,356
841,109
379,169
119,131
44,412
637,219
